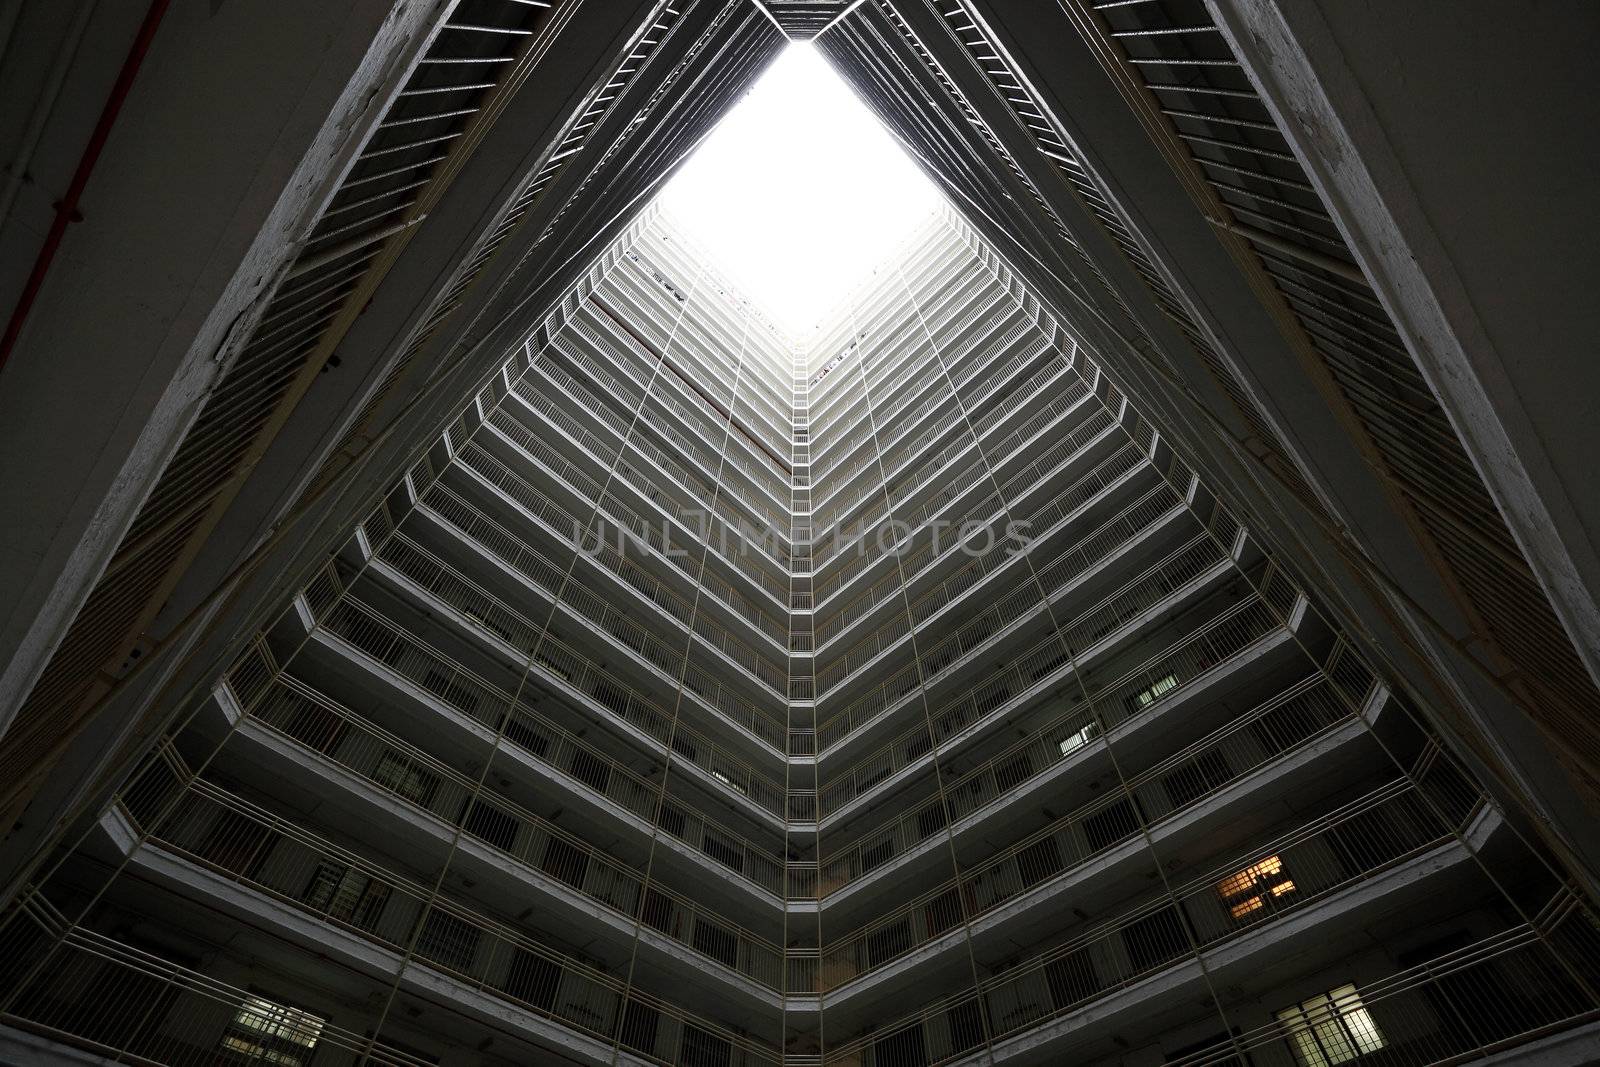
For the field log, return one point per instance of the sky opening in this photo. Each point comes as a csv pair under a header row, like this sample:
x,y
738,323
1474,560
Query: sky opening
x,y
799,192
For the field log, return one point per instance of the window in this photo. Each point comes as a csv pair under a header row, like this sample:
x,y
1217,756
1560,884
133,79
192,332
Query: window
x,y
1162,687
1331,1028
1256,888
265,1032
448,940
343,893
400,775
1078,738
488,823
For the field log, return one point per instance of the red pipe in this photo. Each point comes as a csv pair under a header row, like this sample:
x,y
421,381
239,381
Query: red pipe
x,y
67,206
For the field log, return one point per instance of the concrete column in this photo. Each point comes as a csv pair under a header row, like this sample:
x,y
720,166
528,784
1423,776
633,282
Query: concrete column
x,y
1455,146
230,140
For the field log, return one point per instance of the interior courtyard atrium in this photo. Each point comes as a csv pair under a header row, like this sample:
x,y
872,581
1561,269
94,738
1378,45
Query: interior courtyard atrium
x,y
799,533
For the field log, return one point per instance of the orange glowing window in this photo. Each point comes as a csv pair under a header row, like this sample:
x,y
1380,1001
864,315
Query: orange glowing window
x,y
1255,887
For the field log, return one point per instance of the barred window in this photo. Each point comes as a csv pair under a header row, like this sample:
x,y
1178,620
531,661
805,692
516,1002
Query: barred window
x,y
1331,1028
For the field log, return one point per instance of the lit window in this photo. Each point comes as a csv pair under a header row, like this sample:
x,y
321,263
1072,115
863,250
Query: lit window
x,y
1256,887
1077,739
264,1032
1332,1028
1156,691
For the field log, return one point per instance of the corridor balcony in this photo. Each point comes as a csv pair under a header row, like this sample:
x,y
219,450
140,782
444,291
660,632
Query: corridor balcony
x,y
354,646
1009,397
466,611
887,351
1299,753
104,1001
489,481
659,423
607,373
935,581
1102,631
510,518
888,379
311,759
839,446
291,731
998,810
650,628
1023,599
1243,648
983,368
239,860
590,465
1368,862
484,549
413,591
1040,409
645,363
959,493
866,719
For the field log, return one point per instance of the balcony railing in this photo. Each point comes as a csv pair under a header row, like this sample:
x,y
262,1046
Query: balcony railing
x,y
869,706
1054,576
691,519
1159,679
902,483
569,526
488,611
180,1016
690,443
485,611
842,424
1157,583
1462,1006
558,665
868,544
1357,843
285,863
492,536
524,839
839,439
1182,783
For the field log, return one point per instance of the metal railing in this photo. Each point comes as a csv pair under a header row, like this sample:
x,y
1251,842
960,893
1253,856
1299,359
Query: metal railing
x,y
1190,779
897,448
867,707
484,611
555,664
1179,573
1357,843
690,519
284,862
569,526
1133,518
1062,569
991,356
936,392
180,1018
692,443
514,551
1464,1005
525,839
867,540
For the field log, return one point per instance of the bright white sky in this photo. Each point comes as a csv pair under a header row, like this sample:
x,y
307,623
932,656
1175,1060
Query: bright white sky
x,y
799,192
